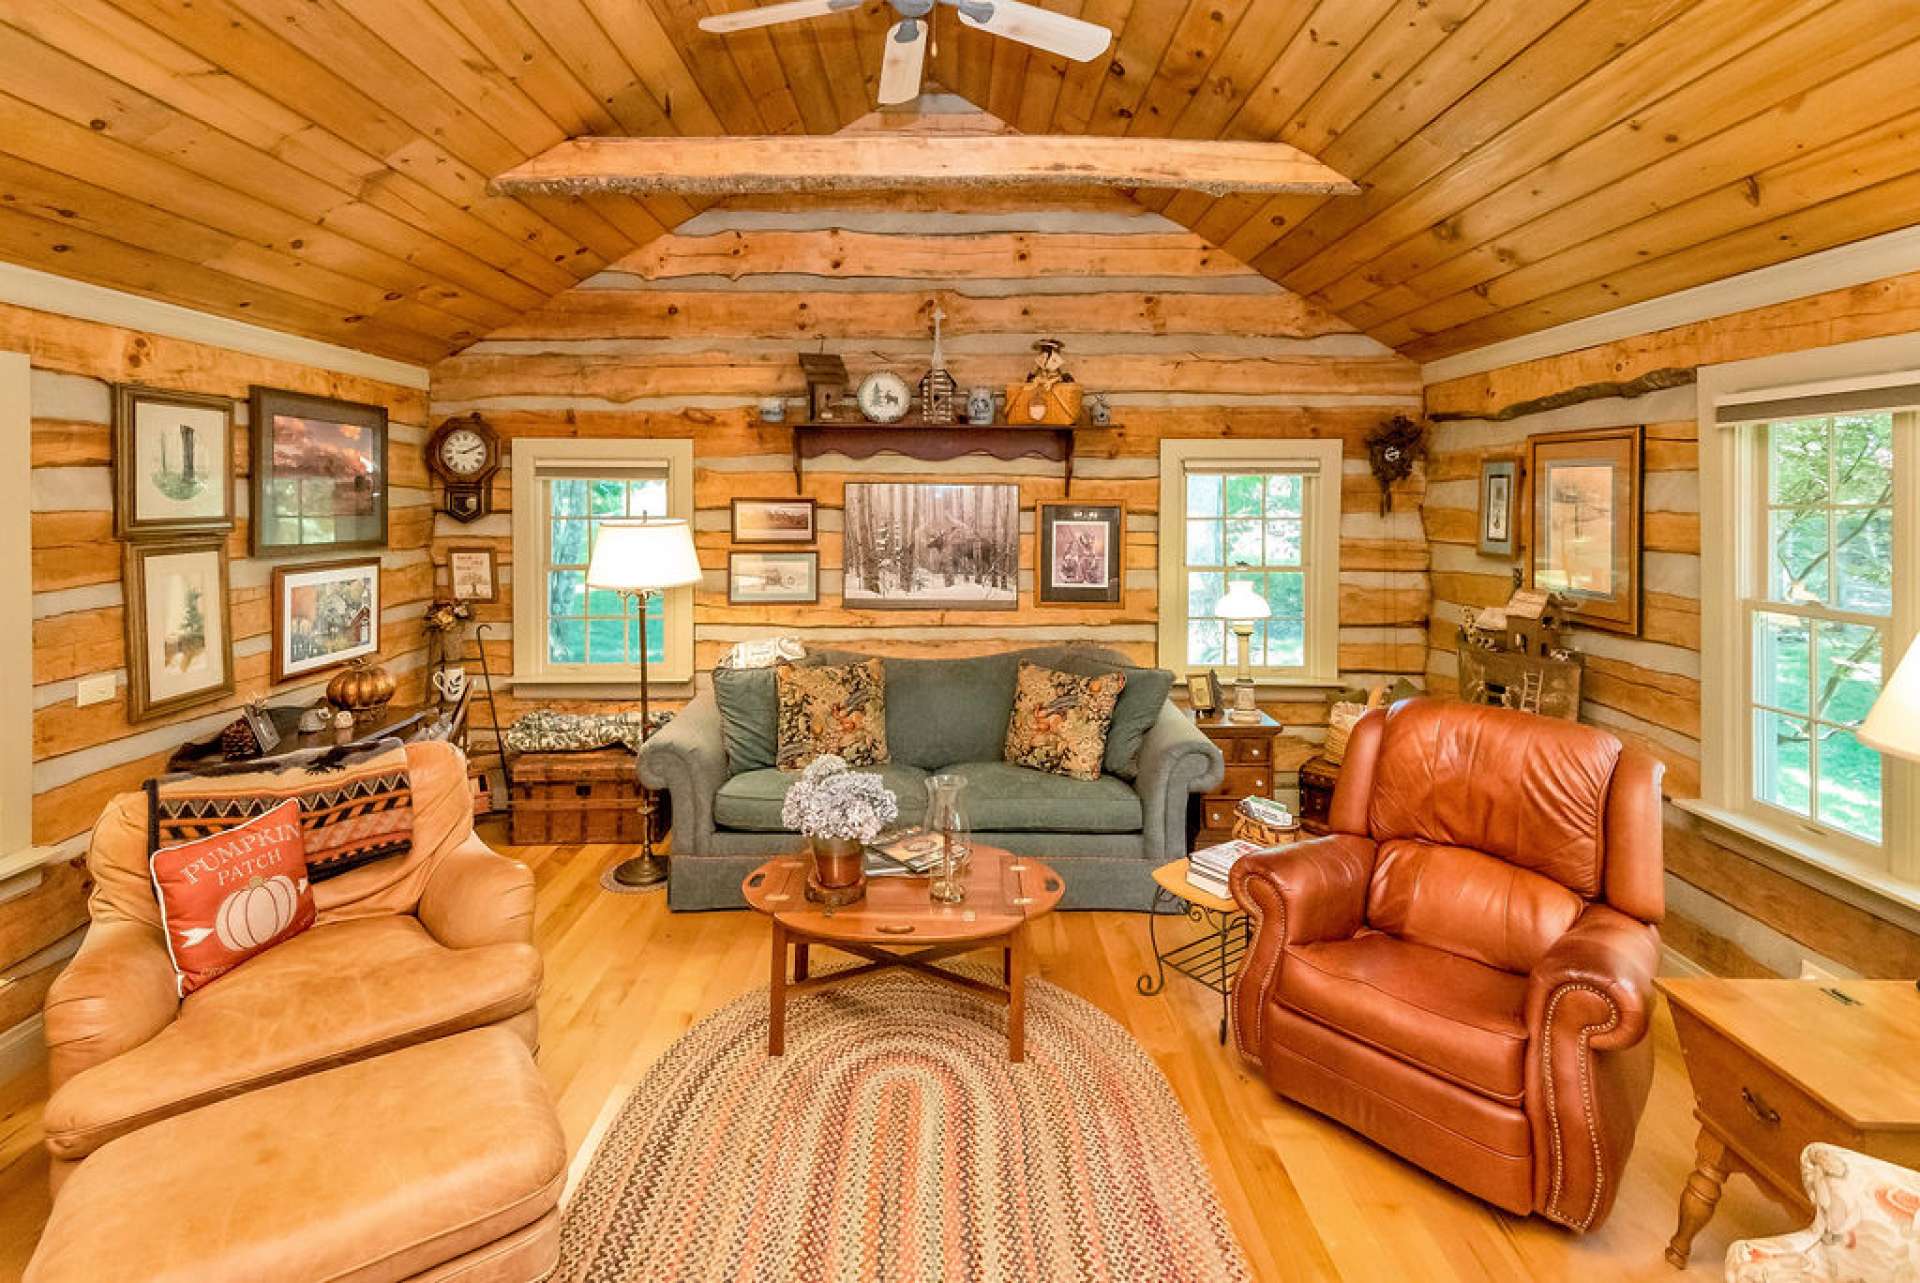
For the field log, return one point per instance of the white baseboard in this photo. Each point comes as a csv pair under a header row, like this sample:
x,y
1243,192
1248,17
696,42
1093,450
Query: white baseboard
x,y
1675,963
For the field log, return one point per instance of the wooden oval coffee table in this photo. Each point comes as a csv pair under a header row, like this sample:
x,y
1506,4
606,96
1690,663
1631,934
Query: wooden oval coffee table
x,y
898,925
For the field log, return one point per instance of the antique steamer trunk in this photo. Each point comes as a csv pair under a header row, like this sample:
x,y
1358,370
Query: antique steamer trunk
x,y
579,797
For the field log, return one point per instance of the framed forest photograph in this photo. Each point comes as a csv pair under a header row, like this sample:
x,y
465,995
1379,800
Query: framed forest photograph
x,y
179,627
921,546
319,473
172,463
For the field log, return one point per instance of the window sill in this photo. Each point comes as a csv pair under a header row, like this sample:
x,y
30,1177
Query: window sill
x,y
24,860
1873,891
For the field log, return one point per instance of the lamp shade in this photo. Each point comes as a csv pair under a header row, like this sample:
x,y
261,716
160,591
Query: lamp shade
x,y
1893,724
1242,602
643,556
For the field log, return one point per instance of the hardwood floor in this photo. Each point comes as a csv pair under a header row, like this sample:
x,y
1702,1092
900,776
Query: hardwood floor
x,y
1308,1199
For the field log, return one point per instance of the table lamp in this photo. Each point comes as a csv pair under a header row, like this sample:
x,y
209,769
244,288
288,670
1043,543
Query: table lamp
x,y
640,560
1240,607
1893,724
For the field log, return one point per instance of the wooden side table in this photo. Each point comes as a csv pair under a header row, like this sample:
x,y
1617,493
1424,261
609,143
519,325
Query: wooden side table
x,y
1248,748
1778,1064
1210,959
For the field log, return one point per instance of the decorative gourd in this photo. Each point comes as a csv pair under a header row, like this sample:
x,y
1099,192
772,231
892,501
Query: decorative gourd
x,y
256,913
362,684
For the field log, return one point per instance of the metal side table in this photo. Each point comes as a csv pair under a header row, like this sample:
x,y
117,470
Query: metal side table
x,y
1210,959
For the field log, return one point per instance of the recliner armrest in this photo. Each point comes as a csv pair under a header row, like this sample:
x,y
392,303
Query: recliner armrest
x,y
475,896
117,992
1609,956
1315,890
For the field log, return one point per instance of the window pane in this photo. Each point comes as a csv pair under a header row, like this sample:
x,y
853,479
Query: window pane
x,y
566,592
1286,640
604,604
1203,543
648,498
606,641
1243,543
1863,458
1287,595
1849,784
1206,643
608,498
1204,590
569,498
566,641
1797,462
1243,494
1863,547
1285,493
1283,543
1203,495
1797,555
1782,765
569,543
1849,672
1781,655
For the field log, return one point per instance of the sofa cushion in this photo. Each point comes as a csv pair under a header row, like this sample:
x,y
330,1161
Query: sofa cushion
x,y
1139,707
1060,720
750,709
1451,1016
225,898
336,993
751,800
837,709
1004,798
942,711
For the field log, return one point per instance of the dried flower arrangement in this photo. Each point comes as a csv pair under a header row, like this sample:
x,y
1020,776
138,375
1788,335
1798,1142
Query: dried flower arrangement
x,y
445,615
831,800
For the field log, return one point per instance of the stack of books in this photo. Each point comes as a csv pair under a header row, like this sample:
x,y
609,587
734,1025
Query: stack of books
x,y
1208,867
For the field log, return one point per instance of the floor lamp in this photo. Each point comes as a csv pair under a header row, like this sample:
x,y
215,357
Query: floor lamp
x,y
640,560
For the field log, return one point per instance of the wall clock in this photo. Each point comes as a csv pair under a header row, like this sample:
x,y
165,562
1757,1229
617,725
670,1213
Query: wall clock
x,y
465,453
884,397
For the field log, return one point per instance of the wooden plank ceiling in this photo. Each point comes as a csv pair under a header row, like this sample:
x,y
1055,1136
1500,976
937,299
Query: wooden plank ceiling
x,y
320,166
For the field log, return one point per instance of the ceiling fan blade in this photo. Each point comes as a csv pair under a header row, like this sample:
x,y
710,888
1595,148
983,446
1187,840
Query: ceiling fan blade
x,y
768,15
1032,25
906,55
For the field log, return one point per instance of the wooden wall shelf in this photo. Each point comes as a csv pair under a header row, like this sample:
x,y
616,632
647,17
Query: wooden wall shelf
x,y
933,443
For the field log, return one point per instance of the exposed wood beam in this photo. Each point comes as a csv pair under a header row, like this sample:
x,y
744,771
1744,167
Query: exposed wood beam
x,y
843,162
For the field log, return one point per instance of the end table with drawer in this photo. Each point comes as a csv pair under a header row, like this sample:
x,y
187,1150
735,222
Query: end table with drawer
x,y
1778,1064
1248,748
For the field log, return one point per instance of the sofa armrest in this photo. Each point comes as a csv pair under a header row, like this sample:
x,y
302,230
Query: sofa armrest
x,y
688,758
1296,894
476,896
1589,1004
1176,761
117,992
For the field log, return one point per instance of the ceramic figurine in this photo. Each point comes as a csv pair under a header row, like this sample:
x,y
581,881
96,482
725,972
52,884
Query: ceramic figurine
x,y
980,406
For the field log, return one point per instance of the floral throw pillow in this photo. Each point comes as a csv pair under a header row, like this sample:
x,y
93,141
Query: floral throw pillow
x,y
839,710
1060,720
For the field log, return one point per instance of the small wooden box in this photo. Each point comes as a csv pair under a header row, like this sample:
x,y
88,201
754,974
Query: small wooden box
x,y
1318,776
579,797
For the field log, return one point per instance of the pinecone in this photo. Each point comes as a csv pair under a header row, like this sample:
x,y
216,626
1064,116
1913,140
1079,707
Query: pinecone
x,y
237,742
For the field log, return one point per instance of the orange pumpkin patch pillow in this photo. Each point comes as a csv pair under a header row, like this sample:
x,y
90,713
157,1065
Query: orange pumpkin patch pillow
x,y
227,897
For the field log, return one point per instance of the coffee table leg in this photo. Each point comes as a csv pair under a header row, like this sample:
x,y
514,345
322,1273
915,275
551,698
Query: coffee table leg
x,y
1699,1197
777,994
1016,968
799,961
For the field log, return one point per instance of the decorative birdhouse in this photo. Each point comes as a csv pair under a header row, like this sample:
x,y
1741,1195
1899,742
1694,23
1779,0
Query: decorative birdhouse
x,y
826,375
937,386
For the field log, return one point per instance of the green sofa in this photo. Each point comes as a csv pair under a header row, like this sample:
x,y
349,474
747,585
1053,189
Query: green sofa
x,y
1105,836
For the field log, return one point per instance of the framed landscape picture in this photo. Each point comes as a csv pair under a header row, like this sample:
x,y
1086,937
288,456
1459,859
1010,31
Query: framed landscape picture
x,y
1586,524
172,463
932,547
1080,559
473,572
319,473
773,521
772,578
179,628
1499,500
324,614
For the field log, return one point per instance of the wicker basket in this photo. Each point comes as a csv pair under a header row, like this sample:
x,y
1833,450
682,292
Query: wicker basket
x,y
1265,834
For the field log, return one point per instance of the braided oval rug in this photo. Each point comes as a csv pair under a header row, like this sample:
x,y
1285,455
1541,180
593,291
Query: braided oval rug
x,y
894,1142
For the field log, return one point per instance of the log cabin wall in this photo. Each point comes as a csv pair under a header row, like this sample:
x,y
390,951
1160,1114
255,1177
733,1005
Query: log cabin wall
x,y
1728,911
83,756
682,339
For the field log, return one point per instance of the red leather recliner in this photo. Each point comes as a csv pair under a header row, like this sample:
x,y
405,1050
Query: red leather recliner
x,y
1462,969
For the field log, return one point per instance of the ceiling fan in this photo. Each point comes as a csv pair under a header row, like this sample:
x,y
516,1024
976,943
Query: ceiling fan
x,y
907,40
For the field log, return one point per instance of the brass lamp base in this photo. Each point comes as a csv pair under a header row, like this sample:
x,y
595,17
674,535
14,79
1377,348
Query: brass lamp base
x,y
643,870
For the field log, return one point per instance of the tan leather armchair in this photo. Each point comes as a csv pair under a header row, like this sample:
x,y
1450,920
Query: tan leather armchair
x,y
402,951
1462,969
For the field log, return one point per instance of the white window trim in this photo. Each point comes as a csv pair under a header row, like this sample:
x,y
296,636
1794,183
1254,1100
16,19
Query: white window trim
x,y
17,852
1325,459
530,669
1725,474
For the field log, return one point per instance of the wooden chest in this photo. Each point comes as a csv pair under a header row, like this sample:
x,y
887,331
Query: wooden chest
x,y
1318,776
579,797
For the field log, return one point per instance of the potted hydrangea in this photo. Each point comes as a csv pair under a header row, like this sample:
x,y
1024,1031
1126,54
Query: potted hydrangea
x,y
839,810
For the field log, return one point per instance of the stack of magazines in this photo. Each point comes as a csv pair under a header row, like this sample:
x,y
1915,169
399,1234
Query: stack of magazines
x,y
908,854
1208,867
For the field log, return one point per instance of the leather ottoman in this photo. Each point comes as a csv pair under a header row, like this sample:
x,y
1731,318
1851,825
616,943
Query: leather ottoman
x,y
440,1161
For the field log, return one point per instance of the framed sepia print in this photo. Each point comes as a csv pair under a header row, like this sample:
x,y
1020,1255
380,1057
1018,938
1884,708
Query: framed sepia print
x,y
473,572
179,626
773,578
774,521
1080,558
1499,505
319,474
172,463
1585,501
324,614
918,546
